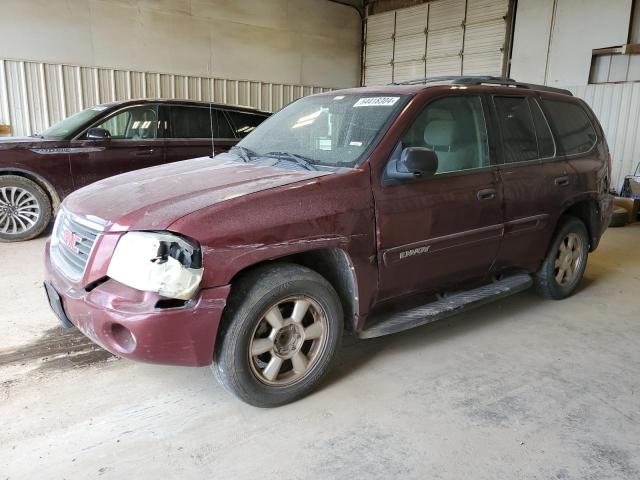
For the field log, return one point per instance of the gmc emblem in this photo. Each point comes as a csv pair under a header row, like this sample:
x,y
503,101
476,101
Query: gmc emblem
x,y
70,239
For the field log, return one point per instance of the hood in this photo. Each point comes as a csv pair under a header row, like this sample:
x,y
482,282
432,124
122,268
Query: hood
x,y
154,198
8,143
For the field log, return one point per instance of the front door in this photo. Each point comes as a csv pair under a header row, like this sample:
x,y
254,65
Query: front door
x,y
436,232
133,144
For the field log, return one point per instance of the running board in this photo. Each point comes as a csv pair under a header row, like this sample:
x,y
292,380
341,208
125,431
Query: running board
x,y
453,304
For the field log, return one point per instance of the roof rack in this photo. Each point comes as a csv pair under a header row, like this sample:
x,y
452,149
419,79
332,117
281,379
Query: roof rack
x,y
482,79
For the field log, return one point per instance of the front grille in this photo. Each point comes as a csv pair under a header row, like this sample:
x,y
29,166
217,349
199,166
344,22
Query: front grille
x,y
72,241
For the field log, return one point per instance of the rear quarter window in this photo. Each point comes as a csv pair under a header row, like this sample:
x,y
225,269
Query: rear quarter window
x,y
574,131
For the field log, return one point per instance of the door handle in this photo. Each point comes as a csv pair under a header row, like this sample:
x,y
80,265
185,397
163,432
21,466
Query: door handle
x,y
486,194
144,153
561,181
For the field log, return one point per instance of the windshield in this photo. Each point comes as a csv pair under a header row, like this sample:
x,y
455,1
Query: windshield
x,y
326,130
73,123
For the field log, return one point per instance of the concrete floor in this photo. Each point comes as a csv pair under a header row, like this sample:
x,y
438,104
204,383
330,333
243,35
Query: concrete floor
x,y
524,388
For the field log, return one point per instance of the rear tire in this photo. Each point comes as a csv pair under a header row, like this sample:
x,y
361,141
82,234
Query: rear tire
x,y
280,331
563,267
25,209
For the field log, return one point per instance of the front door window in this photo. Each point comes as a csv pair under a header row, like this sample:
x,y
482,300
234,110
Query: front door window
x,y
455,129
137,123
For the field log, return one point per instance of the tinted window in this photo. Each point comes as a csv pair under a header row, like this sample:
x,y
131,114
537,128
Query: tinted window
x,y
574,131
546,147
244,123
189,122
455,129
518,133
137,123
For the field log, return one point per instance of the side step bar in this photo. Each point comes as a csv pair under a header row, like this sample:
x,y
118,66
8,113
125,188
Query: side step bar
x,y
453,304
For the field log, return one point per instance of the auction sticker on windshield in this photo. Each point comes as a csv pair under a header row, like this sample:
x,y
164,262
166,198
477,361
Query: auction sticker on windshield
x,y
376,102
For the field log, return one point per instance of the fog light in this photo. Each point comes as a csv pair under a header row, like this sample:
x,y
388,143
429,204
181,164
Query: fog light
x,y
123,337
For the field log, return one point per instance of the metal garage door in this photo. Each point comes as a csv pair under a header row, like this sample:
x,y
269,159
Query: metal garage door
x,y
442,37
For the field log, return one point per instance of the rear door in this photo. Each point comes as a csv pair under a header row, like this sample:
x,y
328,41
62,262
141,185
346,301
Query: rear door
x,y
189,134
535,181
440,231
134,144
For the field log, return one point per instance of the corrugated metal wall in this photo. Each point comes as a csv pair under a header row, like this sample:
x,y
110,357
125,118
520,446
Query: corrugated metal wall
x,y
618,109
441,37
34,95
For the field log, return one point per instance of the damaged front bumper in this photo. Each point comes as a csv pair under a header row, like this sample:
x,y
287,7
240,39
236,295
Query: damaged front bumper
x,y
139,325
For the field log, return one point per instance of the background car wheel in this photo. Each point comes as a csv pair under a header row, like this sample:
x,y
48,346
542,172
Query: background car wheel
x,y
564,265
619,218
281,328
25,209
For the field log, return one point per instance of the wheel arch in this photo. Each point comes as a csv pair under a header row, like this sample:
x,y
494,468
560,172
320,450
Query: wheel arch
x,y
587,211
334,264
43,183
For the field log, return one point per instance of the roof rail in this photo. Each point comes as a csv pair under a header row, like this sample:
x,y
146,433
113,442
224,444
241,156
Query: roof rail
x,y
482,79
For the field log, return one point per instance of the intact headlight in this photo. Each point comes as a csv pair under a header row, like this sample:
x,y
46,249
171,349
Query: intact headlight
x,y
157,262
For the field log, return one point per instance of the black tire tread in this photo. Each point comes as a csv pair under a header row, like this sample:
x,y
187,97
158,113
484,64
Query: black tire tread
x,y
247,291
544,281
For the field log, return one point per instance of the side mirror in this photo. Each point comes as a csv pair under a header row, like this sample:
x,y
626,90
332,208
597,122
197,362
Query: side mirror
x,y
98,134
414,162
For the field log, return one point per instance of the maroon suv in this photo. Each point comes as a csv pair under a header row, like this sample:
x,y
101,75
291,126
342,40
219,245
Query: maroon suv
x,y
370,209
37,172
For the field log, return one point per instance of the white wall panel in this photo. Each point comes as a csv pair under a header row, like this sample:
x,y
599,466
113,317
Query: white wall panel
x,y
411,21
35,95
381,27
404,71
485,37
380,53
445,42
618,109
411,47
553,39
446,14
486,10
444,66
460,36
285,41
378,74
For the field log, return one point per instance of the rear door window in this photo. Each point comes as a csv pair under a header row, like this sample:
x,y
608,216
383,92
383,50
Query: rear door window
x,y
574,131
244,123
518,132
546,147
189,122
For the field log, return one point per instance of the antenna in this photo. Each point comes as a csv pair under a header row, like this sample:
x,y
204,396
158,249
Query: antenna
x,y
213,149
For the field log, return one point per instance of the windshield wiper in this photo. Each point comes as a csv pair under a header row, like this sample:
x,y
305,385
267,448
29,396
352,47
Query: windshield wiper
x,y
244,153
294,157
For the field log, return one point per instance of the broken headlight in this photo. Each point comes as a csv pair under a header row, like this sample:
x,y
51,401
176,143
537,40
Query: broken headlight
x,y
158,262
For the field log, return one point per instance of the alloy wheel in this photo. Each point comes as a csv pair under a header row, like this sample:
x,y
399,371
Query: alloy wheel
x,y
569,259
288,340
19,210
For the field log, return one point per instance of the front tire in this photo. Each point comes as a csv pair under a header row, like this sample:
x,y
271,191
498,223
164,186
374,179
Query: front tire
x,y
280,331
563,267
25,209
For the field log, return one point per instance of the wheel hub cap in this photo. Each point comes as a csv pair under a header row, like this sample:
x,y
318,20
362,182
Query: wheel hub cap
x,y
288,340
569,259
19,210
